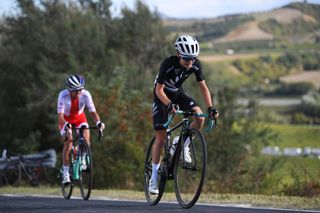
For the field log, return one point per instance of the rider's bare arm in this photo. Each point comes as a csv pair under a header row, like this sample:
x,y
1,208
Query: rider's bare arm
x,y
61,119
205,93
161,95
95,116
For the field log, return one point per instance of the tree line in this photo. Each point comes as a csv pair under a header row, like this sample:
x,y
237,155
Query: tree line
x,y
119,57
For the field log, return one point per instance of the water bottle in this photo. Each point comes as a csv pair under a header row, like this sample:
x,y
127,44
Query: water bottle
x,y
174,145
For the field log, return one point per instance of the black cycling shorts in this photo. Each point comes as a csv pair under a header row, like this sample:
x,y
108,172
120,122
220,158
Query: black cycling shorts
x,y
159,109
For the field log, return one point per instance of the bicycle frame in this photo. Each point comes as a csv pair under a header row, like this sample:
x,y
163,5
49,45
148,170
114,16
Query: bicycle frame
x,y
81,140
175,166
80,158
171,160
185,124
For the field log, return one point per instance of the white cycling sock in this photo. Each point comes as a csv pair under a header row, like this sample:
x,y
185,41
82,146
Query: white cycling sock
x,y
155,168
65,170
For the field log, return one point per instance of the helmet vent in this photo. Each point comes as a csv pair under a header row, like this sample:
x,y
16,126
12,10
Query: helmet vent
x,y
188,49
181,47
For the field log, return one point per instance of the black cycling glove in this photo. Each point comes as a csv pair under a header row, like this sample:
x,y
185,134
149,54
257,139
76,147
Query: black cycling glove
x,y
172,106
212,112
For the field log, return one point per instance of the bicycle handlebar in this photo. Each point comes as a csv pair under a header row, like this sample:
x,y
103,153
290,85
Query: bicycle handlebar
x,y
212,122
90,127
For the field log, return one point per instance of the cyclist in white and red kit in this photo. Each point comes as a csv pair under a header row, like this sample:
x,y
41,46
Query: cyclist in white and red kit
x,y
71,104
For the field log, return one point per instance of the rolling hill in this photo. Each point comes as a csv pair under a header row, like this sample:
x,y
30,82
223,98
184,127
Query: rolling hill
x,y
291,24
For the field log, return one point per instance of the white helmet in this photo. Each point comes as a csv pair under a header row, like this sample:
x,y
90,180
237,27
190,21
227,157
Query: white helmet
x,y
187,46
75,82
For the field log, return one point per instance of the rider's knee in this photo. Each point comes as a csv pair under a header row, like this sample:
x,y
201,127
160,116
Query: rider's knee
x,y
68,143
200,120
161,136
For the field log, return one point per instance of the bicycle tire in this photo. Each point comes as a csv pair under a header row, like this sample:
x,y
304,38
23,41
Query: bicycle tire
x,y
13,174
189,177
67,189
153,199
85,171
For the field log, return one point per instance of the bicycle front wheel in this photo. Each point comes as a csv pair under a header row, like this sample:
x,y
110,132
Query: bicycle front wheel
x,y
85,171
189,173
153,199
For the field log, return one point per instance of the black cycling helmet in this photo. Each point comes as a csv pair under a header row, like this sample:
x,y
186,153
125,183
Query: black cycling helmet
x,y
75,82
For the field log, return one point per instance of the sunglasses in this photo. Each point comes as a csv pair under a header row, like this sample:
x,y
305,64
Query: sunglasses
x,y
76,90
186,58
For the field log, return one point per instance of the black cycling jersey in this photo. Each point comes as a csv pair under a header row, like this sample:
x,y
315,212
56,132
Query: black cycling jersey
x,y
172,74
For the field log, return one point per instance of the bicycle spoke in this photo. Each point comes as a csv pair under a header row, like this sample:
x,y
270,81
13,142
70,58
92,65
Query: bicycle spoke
x,y
13,174
189,177
85,171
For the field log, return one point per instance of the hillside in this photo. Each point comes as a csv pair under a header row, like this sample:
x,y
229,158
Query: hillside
x,y
292,24
310,76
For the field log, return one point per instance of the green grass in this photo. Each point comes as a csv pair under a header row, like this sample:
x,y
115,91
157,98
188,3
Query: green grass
x,y
291,170
211,198
296,135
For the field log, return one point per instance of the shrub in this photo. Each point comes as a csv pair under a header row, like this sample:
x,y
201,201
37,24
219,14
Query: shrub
x,y
302,188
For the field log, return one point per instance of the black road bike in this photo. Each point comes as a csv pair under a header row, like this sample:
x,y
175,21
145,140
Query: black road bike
x,y
36,168
81,167
188,176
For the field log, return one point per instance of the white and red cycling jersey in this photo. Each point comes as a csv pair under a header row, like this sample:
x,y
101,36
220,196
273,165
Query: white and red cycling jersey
x,y
73,109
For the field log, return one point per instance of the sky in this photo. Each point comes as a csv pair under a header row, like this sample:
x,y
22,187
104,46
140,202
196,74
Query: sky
x,y
188,8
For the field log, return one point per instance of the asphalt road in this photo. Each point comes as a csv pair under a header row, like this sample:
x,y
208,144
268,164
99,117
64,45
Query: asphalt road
x,y
36,204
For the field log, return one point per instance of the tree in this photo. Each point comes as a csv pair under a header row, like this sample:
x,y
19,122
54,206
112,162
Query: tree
x,y
45,42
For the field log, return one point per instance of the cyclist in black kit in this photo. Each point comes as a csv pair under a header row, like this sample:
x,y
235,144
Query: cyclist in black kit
x,y
168,94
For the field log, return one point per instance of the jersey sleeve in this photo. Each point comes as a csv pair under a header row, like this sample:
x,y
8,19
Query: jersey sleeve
x,y
89,102
198,71
163,71
60,104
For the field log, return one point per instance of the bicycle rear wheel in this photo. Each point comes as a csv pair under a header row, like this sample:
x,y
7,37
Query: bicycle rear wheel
x,y
85,171
153,199
13,174
189,177
67,188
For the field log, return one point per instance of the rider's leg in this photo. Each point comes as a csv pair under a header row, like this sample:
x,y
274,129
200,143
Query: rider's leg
x,y
187,103
86,135
198,121
156,152
66,150
65,158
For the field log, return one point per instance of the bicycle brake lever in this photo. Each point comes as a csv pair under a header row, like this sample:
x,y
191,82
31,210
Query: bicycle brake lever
x,y
209,127
170,118
100,134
